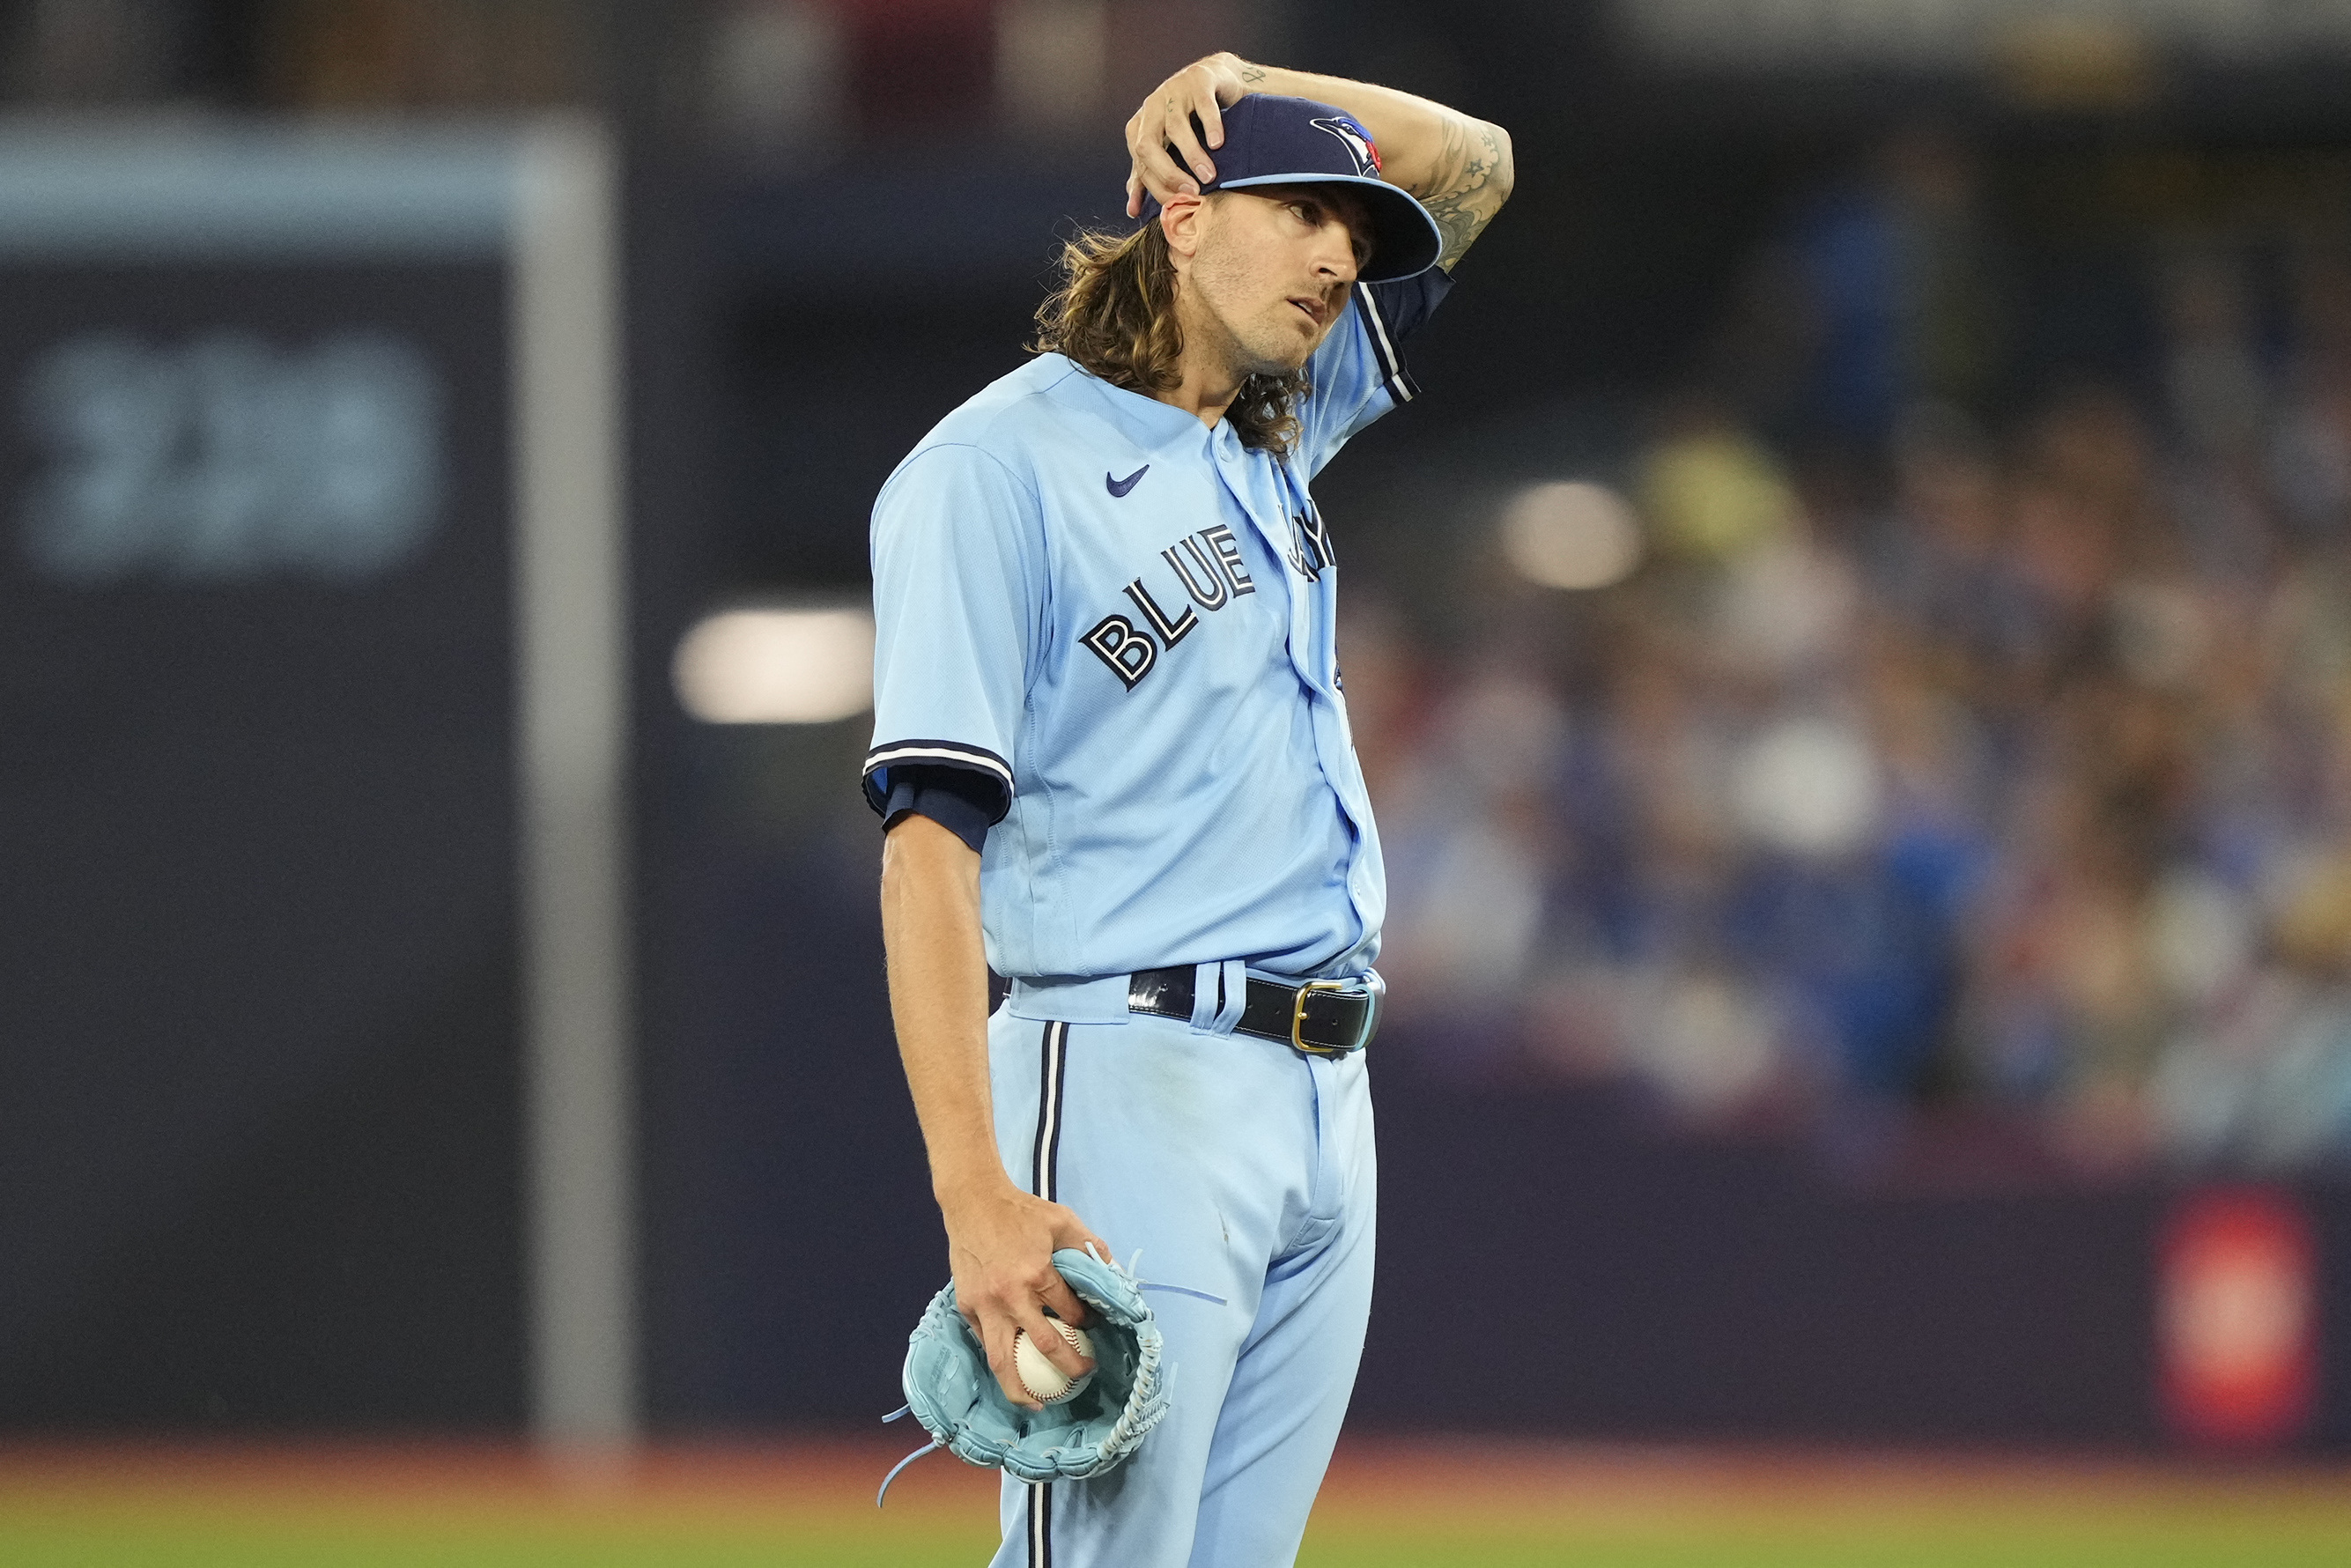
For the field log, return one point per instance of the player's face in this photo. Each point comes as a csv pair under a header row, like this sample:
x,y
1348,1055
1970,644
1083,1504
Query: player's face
x,y
1273,268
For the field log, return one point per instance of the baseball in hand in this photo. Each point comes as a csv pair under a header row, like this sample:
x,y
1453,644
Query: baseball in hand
x,y
1041,1377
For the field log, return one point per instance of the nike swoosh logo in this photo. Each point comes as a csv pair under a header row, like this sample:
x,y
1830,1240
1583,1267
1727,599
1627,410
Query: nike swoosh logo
x,y
1121,486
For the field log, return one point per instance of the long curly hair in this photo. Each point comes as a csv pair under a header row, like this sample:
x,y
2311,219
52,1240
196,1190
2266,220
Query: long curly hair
x,y
1114,313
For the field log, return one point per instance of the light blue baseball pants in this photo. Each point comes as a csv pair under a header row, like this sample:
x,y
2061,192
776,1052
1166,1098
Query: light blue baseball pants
x,y
1239,1168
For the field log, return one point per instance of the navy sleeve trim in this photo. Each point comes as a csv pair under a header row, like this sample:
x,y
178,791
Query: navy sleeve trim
x,y
956,800
884,762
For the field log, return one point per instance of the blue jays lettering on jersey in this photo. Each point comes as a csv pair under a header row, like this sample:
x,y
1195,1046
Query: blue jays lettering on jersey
x,y
1122,619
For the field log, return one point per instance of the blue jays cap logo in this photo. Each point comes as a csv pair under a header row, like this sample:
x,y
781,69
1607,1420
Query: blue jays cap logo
x,y
1358,142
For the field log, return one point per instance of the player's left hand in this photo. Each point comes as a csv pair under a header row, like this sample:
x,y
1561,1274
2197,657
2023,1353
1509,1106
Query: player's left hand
x,y
1206,87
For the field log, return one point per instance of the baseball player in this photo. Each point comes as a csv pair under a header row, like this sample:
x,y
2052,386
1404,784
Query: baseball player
x,y
1112,757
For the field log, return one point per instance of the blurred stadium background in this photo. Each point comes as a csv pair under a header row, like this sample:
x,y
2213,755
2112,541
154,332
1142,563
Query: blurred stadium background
x,y
1852,657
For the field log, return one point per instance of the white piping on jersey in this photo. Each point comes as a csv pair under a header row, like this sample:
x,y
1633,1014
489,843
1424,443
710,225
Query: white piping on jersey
x,y
1045,1172
1040,1525
1391,368
973,756
1045,1181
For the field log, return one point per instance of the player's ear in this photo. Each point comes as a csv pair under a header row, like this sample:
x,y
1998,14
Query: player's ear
x,y
1181,220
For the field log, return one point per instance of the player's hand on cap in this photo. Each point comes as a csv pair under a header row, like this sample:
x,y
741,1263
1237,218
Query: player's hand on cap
x,y
1205,88
1000,1244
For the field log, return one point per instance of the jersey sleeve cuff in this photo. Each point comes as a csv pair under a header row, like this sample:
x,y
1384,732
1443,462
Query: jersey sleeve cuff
x,y
990,776
1391,311
946,796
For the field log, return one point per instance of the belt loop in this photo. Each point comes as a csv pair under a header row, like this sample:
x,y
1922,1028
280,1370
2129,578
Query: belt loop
x,y
1204,996
1233,982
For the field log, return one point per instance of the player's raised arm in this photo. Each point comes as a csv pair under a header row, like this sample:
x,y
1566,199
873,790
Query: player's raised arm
x,y
1458,166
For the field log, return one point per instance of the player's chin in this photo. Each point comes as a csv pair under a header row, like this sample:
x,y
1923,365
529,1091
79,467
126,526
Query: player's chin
x,y
1288,352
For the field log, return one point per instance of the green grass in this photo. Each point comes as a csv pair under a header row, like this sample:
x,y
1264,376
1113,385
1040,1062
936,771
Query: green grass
x,y
1823,1546
204,1539
164,1543
1393,1506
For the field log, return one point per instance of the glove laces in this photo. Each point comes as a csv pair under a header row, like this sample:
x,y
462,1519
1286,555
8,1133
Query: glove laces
x,y
930,1446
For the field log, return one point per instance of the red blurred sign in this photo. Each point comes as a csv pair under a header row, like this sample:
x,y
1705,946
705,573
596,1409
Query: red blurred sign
x,y
2237,1318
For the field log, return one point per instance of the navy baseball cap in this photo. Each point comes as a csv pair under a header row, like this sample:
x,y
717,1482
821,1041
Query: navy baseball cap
x,y
1275,141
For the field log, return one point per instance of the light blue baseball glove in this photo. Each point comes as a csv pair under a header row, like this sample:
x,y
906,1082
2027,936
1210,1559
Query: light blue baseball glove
x,y
950,1390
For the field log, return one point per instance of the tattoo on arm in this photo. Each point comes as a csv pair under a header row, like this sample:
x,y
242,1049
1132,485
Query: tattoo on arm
x,y
1252,73
1472,180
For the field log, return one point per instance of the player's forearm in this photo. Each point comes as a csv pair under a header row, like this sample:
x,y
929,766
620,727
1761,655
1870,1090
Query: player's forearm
x,y
1460,166
938,999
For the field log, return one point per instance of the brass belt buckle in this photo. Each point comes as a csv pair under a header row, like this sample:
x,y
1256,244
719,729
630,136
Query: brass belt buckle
x,y
1298,1017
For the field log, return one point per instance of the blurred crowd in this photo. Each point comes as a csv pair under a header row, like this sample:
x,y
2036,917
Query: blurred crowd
x,y
1945,754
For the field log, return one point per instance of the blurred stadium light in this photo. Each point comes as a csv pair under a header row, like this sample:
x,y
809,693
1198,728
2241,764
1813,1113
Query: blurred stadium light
x,y
1808,786
1571,534
778,665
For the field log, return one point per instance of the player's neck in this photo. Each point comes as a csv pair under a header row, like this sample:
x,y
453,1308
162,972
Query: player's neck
x,y
1209,374
1205,391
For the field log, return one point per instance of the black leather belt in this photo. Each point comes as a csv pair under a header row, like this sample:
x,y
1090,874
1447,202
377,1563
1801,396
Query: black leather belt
x,y
1321,1017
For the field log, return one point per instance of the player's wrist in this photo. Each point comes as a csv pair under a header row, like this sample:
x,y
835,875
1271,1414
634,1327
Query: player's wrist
x,y
963,1186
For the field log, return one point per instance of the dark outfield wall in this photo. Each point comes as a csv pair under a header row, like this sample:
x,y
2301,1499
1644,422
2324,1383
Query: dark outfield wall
x,y
257,1060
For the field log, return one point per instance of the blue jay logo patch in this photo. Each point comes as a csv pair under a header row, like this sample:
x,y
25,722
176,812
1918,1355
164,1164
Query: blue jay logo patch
x,y
1358,142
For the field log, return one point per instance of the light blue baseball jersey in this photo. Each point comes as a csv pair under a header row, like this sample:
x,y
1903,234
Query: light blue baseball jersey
x,y
1125,618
